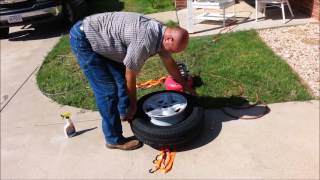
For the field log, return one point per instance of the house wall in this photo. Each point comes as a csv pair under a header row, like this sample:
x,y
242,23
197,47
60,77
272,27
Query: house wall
x,y
180,4
310,7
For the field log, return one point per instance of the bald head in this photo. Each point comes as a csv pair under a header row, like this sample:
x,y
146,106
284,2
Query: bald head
x,y
175,39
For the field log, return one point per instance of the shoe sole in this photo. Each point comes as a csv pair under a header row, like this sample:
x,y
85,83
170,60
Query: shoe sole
x,y
132,148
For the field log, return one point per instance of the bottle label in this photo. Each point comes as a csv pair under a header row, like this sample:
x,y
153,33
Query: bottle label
x,y
71,132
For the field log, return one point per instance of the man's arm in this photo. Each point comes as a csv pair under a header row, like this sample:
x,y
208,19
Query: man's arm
x,y
173,70
132,92
134,60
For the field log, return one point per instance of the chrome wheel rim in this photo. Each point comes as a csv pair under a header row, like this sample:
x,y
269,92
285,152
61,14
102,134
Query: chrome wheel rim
x,y
165,109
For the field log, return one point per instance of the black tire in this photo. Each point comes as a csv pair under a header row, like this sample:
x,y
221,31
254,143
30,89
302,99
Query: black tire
x,y
170,136
4,33
74,10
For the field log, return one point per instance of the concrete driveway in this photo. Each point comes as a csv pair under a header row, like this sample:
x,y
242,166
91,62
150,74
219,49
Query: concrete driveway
x,y
23,53
284,144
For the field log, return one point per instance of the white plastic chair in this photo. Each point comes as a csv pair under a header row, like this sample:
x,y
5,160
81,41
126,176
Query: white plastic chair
x,y
263,4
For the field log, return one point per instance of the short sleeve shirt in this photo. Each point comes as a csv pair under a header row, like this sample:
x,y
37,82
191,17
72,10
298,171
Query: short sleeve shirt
x,y
128,38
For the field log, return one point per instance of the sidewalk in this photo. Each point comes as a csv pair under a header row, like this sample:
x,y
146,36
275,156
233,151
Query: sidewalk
x,y
245,20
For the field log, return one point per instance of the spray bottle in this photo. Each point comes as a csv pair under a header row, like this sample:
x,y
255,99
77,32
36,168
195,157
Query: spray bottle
x,y
69,129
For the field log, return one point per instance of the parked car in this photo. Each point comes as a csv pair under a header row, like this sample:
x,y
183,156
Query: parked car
x,y
22,12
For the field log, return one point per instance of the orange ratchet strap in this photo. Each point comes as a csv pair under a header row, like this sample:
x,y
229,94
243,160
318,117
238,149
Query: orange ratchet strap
x,y
151,83
163,161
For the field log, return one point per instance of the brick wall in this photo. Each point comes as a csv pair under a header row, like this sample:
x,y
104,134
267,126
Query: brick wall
x,y
180,4
310,7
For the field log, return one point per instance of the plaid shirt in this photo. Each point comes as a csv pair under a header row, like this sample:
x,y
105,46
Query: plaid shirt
x,y
125,37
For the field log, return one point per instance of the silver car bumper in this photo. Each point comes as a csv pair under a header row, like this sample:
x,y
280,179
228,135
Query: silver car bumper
x,y
24,17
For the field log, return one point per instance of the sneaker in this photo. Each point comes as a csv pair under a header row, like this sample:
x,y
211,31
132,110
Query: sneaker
x,y
127,144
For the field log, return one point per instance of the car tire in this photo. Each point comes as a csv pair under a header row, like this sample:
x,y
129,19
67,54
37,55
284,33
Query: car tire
x,y
174,136
4,33
74,10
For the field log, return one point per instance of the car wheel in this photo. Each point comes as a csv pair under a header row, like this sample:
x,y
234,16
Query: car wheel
x,y
74,10
4,32
167,135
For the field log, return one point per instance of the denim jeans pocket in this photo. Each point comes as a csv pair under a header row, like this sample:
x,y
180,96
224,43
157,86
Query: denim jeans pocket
x,y
80,44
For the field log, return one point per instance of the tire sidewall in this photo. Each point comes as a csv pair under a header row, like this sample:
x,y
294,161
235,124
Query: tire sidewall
x,y
174,137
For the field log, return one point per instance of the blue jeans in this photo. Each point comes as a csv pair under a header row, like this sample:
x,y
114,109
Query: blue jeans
x,y
107,80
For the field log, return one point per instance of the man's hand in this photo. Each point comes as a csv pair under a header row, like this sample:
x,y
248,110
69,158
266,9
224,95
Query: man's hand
x,y
173,70
131,112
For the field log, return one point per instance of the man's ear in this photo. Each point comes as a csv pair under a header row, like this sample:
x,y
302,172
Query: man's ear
x,y
169,39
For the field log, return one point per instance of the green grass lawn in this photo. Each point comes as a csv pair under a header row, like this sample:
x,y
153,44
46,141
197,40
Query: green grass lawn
x,y
142,6
236,58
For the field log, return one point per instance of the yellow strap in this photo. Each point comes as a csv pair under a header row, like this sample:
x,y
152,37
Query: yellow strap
x,y
168,166
164,161
151,83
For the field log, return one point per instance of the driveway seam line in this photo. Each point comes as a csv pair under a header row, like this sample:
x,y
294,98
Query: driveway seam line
x,y
20,87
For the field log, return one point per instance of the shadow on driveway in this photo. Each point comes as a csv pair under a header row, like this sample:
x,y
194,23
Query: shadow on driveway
x,y
84,131
218,111
56,27
40,31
